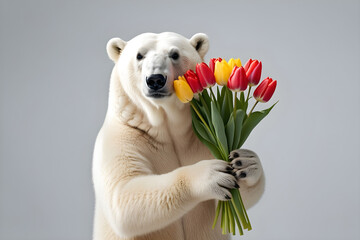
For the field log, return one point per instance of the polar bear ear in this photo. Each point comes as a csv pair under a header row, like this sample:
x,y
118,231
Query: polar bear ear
x,y
200,41
114,48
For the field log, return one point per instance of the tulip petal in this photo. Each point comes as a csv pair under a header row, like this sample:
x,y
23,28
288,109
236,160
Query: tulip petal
x,y
260,90
234,62
247,65
183,91
193,81
205,74
222,72
243,79
269,91
212,63
238,80
255,75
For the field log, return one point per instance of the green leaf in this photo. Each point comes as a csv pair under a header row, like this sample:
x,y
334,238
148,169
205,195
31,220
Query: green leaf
x,y
242,97
196,101
251,122
204,112
219,129
205,107
242,103
203,132
230,131
206,98
207,117
220,97
213,149
227,105
238,128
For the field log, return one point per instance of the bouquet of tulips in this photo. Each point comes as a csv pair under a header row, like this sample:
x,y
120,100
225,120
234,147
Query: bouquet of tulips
x,y
222,121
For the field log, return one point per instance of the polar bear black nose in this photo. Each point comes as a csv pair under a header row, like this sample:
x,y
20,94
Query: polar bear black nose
x,y
156,81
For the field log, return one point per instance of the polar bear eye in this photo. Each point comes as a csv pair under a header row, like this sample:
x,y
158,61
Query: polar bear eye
x,y
175,56
139,56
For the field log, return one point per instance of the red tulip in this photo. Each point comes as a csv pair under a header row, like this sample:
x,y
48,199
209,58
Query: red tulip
x,y
206,76
193,81
265,90
212,63
238,80
247,65
253,71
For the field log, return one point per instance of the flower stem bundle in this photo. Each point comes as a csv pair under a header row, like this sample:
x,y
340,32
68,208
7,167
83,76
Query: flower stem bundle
x,y
222,121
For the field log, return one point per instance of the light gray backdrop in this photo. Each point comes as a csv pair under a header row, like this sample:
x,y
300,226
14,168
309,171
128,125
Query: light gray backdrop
x,y
54,78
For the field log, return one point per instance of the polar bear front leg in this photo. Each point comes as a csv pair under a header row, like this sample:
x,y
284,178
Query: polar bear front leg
x,y
135,206
249,173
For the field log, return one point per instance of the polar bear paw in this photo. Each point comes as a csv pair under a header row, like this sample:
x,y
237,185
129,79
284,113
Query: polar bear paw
x,y
246,165
213,179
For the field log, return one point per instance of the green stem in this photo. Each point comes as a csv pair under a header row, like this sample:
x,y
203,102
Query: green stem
x,y
223,220
231,219
218,210
247,98
246,223
234,112
236,217
226,218
253,108
212,93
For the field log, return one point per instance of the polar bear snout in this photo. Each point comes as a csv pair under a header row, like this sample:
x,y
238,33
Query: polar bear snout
x,y
156,82
156,86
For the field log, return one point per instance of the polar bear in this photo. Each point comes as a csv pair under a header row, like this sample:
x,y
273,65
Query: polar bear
x,y
153,178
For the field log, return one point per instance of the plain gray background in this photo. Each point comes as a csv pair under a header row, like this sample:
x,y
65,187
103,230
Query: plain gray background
x,y
54,78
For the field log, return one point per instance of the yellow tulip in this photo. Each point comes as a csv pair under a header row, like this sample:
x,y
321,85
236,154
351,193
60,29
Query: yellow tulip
x,y
182,78
183,90
222,72
234,62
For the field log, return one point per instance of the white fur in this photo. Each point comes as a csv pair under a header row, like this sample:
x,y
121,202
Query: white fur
x,y
151,174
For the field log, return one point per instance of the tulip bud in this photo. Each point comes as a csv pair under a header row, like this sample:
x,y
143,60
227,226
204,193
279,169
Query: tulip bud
x,y
193,81
265,90
183,90
222,72
234,62
247,64
253,71
212,63
238,80
206,76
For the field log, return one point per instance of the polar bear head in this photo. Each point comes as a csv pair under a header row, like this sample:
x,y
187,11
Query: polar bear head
x,y
147,65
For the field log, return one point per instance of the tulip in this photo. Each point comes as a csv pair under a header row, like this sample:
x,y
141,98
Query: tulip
x,y
206,76
212,63
234,62
253,71
222,72
247,64
183,90
265,90
238,80
193,81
